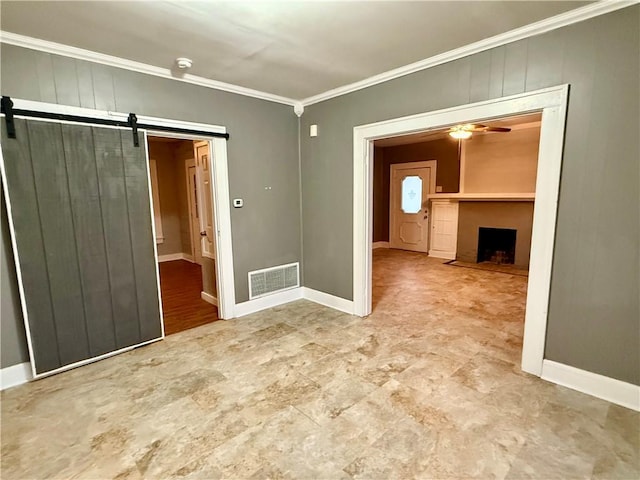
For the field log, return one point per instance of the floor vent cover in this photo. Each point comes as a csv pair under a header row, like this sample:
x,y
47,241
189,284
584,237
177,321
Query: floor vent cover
x,y
275,279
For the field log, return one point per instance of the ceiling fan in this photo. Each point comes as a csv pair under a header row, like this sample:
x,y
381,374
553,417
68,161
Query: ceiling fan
x,y
464,131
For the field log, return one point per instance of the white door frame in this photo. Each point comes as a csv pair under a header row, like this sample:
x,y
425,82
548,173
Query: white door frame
x,y
552,102
432,165
221,206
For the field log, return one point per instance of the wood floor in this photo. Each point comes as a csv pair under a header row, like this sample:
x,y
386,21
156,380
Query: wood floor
x,y
183,308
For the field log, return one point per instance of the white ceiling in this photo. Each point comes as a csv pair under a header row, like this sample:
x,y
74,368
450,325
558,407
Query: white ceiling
x,y
294,49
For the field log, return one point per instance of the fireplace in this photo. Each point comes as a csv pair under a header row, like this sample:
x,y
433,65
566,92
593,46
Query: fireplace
x,y
496,245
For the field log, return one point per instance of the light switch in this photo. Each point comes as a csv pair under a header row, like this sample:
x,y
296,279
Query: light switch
x,y
313,131
238,202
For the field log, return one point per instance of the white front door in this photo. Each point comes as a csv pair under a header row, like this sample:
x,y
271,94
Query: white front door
x,y
408,206
194,215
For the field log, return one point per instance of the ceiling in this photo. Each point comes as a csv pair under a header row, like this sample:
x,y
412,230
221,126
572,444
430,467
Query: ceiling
x,y
293,49
516,122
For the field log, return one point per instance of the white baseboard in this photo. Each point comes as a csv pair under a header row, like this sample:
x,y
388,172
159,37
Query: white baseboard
x,y
609,389
175,256
441,254
328,300
380,245
269,301
15,375
207,297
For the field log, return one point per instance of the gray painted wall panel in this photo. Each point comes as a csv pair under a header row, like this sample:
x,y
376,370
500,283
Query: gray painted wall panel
x,y
593,312
262,151
85,85
65,79
13,341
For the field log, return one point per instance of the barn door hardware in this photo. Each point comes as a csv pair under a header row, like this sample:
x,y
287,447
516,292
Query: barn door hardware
x,y
133,123
6,109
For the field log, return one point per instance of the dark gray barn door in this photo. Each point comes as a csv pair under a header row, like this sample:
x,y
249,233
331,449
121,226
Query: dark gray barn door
x,y
82,223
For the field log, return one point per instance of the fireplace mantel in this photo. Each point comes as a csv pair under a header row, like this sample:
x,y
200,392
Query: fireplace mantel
x,y
484,197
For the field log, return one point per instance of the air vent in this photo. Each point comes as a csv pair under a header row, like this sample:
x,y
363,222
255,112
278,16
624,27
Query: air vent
x,y
275,279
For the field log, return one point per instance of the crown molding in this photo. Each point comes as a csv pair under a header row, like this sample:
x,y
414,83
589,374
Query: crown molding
x,y
564,19
101,58
537,28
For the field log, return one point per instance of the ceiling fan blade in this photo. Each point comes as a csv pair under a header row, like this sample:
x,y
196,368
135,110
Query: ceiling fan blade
x,y
497,129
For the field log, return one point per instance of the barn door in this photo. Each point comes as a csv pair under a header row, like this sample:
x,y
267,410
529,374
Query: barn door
x,y
79,207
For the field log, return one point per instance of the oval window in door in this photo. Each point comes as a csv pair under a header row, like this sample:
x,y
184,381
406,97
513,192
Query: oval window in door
x,y
411,194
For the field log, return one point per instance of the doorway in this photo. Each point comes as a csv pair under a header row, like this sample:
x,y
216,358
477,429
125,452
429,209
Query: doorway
x,y
182,190
551,103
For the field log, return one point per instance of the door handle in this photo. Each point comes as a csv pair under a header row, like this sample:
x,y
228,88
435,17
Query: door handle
x,y
203,234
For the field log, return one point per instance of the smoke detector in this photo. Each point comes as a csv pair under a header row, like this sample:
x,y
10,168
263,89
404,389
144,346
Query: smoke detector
x,y
184,63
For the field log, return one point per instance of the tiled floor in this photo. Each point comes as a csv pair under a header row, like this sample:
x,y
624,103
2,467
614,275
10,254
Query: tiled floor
x,y
428,386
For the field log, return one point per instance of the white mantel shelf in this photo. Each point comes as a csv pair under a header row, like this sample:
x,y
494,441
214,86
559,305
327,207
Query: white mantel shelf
x,y
484,197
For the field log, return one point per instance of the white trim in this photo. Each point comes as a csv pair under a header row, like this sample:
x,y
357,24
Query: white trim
x,y
546,25
553,103
268,301
170,257
327,300
207,297
225,275
15,375
380,245
606,388
95,57
552,23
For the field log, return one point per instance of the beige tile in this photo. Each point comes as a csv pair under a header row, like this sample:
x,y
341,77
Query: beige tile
x,y
428,386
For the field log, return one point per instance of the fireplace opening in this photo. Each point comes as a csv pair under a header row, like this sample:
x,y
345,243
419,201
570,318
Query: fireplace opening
x,y
496,245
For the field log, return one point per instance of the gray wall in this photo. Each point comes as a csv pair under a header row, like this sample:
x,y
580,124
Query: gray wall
x,y
262,151
13,342
444,151
593,313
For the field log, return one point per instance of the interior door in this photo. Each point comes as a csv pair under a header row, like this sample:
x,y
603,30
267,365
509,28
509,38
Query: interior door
x,y
194,213
205,186
408,207
80,215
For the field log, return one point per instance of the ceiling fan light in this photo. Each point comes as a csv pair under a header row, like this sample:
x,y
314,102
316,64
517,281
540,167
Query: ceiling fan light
x,y
460,134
